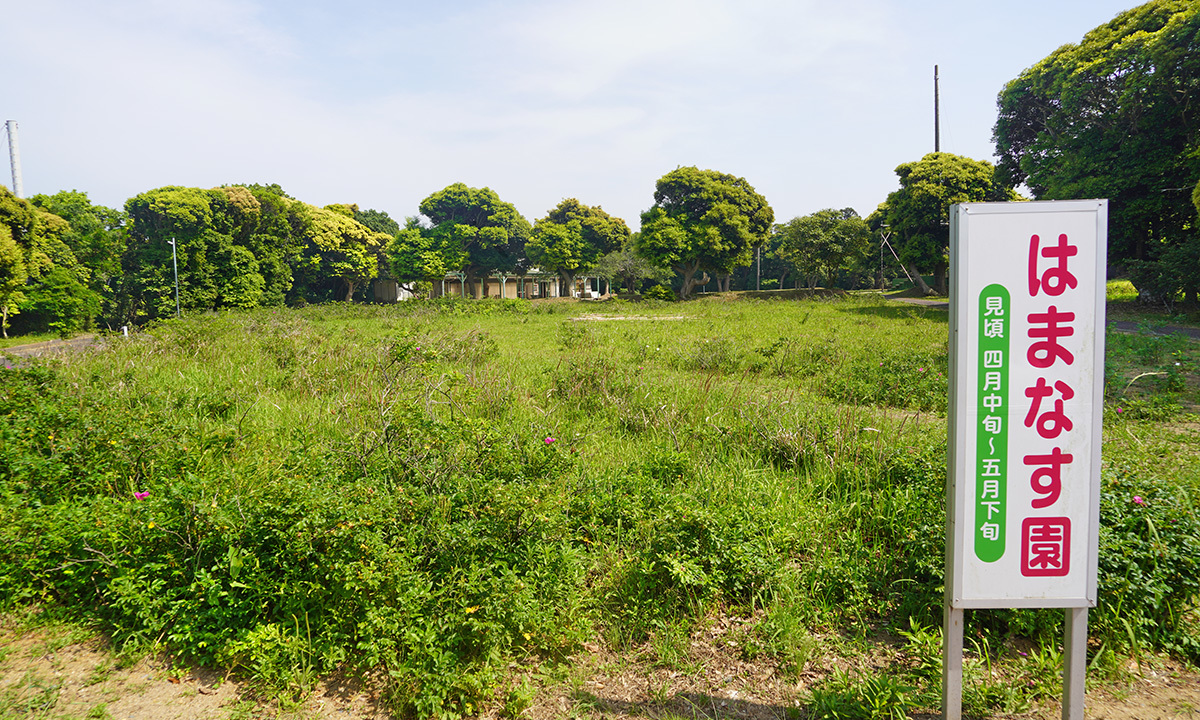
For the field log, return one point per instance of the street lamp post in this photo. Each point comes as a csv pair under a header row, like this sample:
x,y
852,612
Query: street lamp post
x,y
758,269
175,266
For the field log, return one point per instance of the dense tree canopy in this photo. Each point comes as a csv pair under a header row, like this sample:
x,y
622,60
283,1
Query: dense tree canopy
x,y
378,221
824,243
703,220
241,247
96,235
572,237
12,277
918,213
40,276
200,225
277,243
339,247
1116,116
419,254
64,261
477,223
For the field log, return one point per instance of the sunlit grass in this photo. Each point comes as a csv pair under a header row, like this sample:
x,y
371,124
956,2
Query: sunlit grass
x,y
437,489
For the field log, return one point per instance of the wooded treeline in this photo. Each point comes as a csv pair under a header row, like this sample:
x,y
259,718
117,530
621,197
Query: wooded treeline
x,y
68,263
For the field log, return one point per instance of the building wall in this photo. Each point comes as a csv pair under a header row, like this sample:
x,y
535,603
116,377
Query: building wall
x,y
386,290
530,287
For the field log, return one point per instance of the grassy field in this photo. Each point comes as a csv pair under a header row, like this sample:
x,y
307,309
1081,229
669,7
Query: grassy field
x,y
432,491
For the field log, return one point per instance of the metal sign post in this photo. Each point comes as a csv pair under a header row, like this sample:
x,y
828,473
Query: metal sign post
x,y
1026,402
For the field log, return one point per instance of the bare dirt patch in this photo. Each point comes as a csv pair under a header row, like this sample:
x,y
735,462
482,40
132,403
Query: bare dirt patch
x,y
715,682
57,673
603,318
50,347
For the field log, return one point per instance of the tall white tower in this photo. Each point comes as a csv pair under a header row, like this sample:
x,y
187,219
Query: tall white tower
x,y
14,157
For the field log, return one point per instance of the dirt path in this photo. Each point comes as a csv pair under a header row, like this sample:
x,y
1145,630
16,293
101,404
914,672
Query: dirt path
x,y
50,347
1125,326
60,674
1132,327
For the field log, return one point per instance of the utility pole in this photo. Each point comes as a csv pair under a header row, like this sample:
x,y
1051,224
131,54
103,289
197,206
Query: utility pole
x,y
14,158
884,235
758,270
937,130
175,265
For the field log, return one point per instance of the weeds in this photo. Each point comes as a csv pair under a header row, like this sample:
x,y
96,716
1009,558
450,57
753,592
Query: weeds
x,y
435,490
845,696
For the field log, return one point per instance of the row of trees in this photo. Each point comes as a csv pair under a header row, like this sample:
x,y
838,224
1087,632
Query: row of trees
x,y
702,221
64,261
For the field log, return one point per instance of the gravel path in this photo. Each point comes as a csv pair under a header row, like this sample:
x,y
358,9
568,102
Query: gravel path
x,y
50,347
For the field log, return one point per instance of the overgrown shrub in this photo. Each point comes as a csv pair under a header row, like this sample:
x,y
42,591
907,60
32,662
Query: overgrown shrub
x,y
436,490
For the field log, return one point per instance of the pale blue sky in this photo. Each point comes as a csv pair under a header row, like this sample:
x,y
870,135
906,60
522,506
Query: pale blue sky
x,y
383,103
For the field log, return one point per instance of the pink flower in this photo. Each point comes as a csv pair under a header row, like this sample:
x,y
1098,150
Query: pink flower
x,y
549,440
1120,410
141,495
1137,499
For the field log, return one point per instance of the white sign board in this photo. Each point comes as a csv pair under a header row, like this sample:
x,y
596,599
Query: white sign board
x,y
1026,397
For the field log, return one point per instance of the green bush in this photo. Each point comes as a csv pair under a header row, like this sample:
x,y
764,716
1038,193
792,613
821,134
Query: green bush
x,y
1149,570
434,490
659,292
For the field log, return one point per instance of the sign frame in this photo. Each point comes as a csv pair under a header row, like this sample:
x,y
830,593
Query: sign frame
x,y
966,387
970,221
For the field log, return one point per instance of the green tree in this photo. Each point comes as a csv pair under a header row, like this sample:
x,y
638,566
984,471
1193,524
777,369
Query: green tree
x,y
338,247
226,254
572,237
59,302
421,254
156,218
47,282
1115,117
19,216
919,212
12,277
58,298
382,223
276,241
489,232
629,269
97,237
703,220
378,221
824,243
